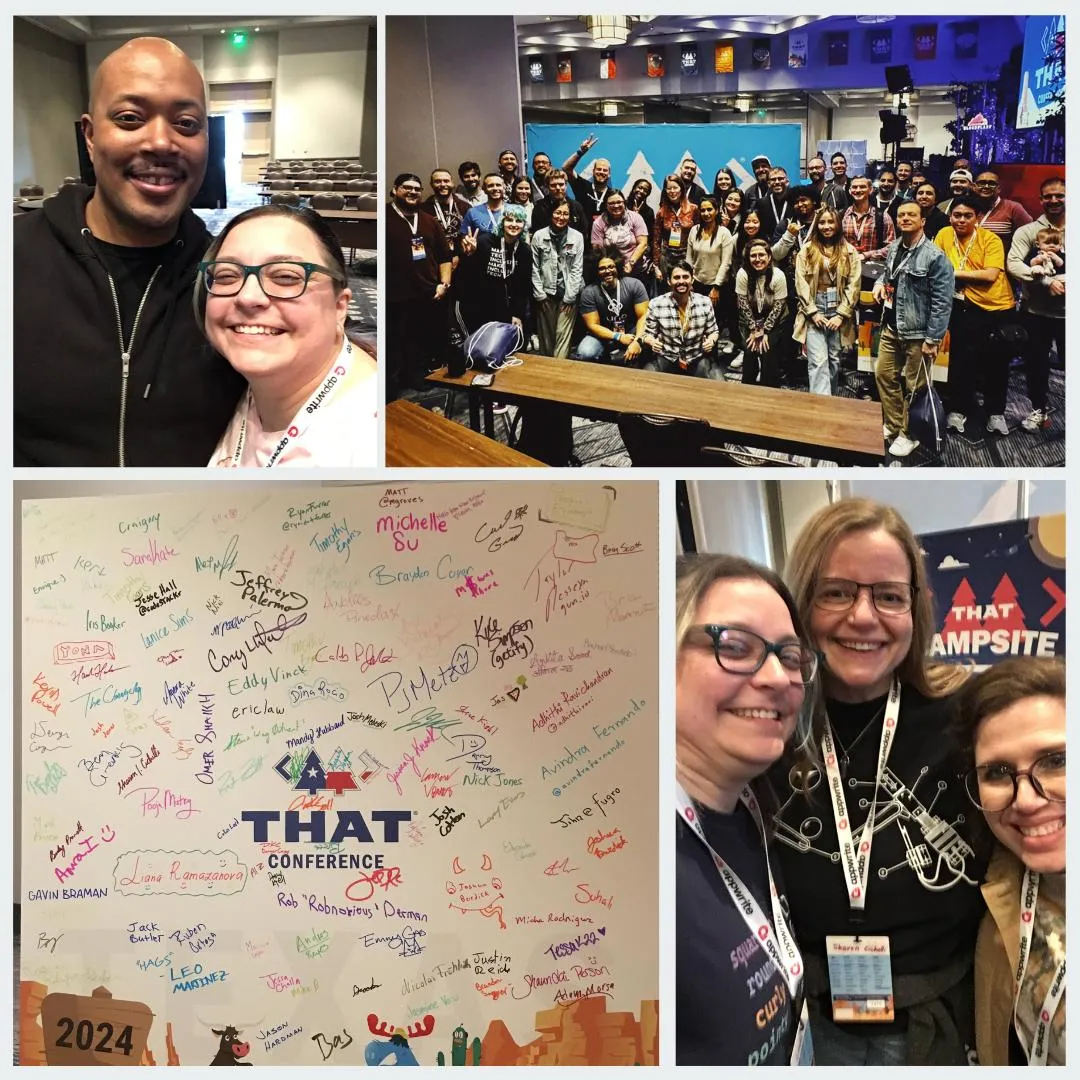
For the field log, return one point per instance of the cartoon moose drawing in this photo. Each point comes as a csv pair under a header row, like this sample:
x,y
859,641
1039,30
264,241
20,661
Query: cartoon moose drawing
x,y
397,1044
231,1049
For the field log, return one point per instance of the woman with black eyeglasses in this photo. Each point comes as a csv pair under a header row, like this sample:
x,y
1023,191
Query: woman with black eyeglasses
x,y
1011,728
744,680
272,298
880,857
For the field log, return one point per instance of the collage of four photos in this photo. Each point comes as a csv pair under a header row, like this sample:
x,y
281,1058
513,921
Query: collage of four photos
x,y
656,253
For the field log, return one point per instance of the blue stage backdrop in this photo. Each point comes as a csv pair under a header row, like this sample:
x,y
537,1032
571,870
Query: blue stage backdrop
x,y
651,151
999,590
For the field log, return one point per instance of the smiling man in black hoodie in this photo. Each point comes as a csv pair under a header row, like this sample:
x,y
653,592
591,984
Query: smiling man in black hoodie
x,y
110,367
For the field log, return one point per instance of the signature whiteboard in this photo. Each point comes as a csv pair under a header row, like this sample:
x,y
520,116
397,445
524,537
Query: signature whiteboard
x,y
341,775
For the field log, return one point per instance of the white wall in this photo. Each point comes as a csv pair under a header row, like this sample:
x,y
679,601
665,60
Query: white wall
x,y
732,516
861,122
255,62
319,93
49,96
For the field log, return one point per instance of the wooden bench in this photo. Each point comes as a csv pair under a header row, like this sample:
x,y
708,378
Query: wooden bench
x,y
418,437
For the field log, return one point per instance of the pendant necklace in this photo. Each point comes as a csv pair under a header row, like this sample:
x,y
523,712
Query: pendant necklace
x,y
845,752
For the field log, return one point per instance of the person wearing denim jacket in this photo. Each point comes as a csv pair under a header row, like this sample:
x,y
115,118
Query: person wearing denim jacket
x,y
916,290
558,260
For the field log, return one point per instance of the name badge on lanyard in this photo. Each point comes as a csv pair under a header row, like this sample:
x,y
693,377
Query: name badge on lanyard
x,y
774,937
863,987
675,236
418,252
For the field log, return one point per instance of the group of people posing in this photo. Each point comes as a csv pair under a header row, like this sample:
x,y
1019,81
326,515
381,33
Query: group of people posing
x,y
767,279
870,845
158,344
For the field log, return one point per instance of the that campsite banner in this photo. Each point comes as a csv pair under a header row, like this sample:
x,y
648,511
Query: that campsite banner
x,y
998,590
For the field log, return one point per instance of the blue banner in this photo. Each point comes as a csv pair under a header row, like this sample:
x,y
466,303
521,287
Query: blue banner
x,y
999,590
1042,70
853,149
652,151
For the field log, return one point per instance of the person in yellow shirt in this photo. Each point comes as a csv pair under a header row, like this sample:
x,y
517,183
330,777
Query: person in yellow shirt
x,y
982,305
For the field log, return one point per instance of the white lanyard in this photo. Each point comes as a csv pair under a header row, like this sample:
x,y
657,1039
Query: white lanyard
x,y
903,262
494,220
964,254
780,946
598,199
507,264
776,216
413,225
1040,1044
990,211
302,419
443,219
614,306
856,867
860,227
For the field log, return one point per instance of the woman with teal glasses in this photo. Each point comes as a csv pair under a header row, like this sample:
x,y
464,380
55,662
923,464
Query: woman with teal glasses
x,y
272,297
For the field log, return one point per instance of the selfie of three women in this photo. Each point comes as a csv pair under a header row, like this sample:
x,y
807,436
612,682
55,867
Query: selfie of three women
x,y
870,759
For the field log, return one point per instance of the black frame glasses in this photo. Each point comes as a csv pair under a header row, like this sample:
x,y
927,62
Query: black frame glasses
x,y
282,293
742,652
975,779
879,591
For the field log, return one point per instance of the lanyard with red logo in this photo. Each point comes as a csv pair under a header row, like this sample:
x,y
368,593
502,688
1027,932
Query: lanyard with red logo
x,y
302,420
1040,1043
780,946
856,866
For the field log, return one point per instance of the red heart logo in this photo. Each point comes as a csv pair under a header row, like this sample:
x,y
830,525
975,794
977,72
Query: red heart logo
x,y
795,969
1045,1016
294,431
831,759
1026,916
763,932
856,893
864,846
842,823
690,815
891,722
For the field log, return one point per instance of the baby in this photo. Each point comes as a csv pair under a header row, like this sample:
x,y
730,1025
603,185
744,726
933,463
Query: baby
x,y
1048,259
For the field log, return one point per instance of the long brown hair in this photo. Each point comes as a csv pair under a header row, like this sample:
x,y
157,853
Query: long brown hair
x,y
836,253
816,541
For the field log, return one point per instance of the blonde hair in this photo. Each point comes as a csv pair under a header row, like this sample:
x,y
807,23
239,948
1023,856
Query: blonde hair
x,y
816,541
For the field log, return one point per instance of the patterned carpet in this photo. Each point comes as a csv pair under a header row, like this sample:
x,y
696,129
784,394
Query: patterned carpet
x,y
598,443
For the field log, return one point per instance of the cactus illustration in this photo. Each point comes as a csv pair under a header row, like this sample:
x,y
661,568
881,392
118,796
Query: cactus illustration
x,y
459,1050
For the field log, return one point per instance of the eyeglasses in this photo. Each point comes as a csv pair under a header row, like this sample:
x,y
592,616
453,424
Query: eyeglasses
x,y
994,787
889,597
411,187
986,183
742,652
278,280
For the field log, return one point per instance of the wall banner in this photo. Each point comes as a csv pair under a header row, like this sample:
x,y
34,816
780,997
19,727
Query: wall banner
x,y
999,590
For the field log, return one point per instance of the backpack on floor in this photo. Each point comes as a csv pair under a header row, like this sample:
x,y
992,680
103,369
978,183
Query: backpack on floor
x,y
926,414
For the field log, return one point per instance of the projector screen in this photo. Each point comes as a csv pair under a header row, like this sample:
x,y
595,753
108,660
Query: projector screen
x,y
1042,74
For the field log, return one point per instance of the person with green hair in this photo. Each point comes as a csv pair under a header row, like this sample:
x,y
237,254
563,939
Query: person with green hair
x,y
495,274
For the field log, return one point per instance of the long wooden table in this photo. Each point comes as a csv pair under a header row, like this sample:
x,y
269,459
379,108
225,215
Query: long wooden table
x,y
418,437
843,430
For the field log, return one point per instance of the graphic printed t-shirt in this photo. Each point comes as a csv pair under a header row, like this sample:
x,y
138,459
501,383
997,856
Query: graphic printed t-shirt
x,y
631,293
733,1006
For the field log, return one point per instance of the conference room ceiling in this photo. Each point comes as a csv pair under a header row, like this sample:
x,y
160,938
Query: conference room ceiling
x,y
82,28
536,33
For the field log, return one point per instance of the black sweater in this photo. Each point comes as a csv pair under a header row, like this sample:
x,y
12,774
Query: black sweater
x,y
68,382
